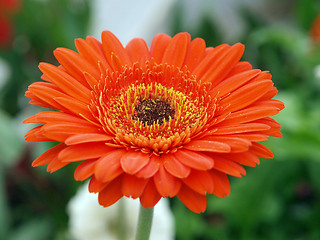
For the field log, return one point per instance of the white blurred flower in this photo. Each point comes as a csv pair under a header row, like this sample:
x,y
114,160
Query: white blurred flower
x,y
129,19
317,74
5,72
317,71
89,220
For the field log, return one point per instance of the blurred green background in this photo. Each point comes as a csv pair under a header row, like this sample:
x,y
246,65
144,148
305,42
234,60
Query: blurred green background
x,y
280,199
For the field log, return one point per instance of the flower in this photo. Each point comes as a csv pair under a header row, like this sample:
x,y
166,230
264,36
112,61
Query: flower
x,y
7,8
5,30
315,30
174,120
88,220
10,5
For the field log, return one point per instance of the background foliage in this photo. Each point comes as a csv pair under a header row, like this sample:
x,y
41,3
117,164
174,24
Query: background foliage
x,y
277,200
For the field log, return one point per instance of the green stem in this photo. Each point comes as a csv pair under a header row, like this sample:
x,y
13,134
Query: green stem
x,y
144,223
122,221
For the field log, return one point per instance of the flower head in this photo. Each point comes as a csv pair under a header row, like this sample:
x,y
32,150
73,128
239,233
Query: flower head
x,y
10,5
315,30
7,8
172,120
5,31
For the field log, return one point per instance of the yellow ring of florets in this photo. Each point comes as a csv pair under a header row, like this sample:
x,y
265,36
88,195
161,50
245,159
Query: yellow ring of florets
x,y
114,104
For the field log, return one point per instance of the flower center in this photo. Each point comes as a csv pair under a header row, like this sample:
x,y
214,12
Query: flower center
x,y
155,108
152,111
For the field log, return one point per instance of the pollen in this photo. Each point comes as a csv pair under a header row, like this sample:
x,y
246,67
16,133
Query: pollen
x,y
151,111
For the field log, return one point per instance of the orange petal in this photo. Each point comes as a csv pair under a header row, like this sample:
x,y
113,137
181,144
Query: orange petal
x,y
65,82
90,79
138,51
150,196
194,201
240,128
150,168
269,103
229,167
92,52
194,160
208,50
95,185
275,127
222,65
261,150
84,170
108,166
250,114
132,161
75,65
61,131
83,151
246,95
240,67
244,158
97,45
207,146
55,165
195,53
36,101
87,137
174,166
111,193
200,182
269,121
234,82
236,144
176,51
36,135
221,183
158,46
76,107
270,94
56,117
211,55
116,63
252,137
46,94
48,156
112,45
166,184
274,133
133,186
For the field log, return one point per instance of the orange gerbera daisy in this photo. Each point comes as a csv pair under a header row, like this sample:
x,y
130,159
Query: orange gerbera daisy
x,y
174,120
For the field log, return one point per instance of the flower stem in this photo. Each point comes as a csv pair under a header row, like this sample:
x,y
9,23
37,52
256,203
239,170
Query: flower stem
x,y
144,223
122,221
